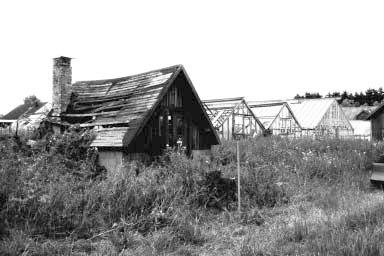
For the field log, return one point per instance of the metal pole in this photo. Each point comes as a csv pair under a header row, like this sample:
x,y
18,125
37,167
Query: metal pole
x,y
238,177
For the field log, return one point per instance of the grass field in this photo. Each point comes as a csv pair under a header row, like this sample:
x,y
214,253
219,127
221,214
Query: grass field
x,y
299,197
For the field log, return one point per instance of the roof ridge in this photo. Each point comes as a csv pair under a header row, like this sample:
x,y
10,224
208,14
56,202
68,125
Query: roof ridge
x,y
117,79
261,105
223,99
305,99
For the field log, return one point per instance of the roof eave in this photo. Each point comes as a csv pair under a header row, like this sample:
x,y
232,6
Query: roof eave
x,y
201,105
128,141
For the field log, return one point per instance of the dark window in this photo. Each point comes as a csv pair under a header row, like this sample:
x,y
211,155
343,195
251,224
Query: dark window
x,y
160,130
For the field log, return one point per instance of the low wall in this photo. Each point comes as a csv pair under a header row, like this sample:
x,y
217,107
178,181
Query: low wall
x,y
111,160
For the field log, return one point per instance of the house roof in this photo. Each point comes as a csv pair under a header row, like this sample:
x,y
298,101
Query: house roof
x,y
309,112
127,101
351,113
21,110
267,112
111,137
375,112
33,120
120,101
223,103
217,108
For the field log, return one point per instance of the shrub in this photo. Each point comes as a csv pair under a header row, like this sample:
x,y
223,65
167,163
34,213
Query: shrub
x,y
216,191
46,192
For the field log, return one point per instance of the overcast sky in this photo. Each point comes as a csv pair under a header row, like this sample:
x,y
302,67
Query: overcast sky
x,y
259,49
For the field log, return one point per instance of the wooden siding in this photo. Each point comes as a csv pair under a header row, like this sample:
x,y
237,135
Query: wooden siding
x,y
377,123
178,121
111,160
378,126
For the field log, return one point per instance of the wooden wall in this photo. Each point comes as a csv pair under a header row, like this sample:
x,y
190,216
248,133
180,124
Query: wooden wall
x,y
111,160
378,127
178,118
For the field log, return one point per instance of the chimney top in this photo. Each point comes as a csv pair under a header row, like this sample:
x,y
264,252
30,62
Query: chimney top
x,y
62,61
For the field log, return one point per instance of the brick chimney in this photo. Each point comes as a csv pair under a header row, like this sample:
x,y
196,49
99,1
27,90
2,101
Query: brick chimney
x,y
62,80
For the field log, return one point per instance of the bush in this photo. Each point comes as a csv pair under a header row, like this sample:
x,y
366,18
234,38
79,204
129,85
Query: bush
x,y
47,192
216,192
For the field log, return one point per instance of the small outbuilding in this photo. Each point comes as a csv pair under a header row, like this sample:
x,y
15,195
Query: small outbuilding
x,y
233,118
134,117
277,117
321,117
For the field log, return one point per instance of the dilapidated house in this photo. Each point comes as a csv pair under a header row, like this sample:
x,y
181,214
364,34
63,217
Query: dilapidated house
x,y
277,117
233,118
321,117
134,117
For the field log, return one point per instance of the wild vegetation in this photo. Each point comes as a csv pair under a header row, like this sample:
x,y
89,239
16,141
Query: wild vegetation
x,y
299,197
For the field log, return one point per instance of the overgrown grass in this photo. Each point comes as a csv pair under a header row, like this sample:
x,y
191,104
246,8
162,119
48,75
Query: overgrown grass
x,y
359,232
55,198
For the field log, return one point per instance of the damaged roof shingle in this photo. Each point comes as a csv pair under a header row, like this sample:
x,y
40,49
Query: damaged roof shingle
x,y
123,102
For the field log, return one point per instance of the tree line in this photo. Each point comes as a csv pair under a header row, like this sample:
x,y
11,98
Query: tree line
x,y
370,97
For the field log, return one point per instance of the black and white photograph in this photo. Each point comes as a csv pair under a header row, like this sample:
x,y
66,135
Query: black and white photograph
x,y
192,128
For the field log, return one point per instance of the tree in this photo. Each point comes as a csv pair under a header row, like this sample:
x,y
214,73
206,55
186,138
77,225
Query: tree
x,y
315,95
344,95
299,96
32,101
333,95
369,97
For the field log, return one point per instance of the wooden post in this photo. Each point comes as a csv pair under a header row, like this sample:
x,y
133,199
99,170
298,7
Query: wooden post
x,y
166,128
233,126
17,128
238,177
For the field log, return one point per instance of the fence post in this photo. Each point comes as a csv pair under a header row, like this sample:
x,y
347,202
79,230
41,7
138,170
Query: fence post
x,y
238,177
